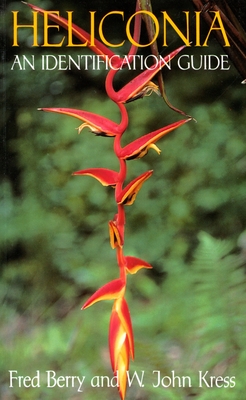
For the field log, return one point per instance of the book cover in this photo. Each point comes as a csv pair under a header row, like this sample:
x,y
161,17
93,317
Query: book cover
x,y
123,200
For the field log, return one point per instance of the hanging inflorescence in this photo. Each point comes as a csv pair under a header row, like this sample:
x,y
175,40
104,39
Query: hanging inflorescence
x,y
121,342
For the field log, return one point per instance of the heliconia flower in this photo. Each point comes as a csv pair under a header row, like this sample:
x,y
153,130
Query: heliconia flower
x,y
128,195
95,45
106,177
110,291
98,124
139,147
114,235
121,344
121,340
139,86
134,264
121,307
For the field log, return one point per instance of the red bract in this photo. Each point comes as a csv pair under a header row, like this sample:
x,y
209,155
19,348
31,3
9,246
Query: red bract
x,y
141,85
84,37
121,343
128,194
96,123
90,41
134,264
106,177
139,147
111,291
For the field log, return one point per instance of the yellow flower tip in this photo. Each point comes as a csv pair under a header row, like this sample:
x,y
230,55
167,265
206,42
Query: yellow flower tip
x,y
147,90
150,88
122,367
156,148
122,390
86,125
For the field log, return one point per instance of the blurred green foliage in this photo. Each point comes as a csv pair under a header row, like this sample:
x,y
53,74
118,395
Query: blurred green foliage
x,y
188,221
